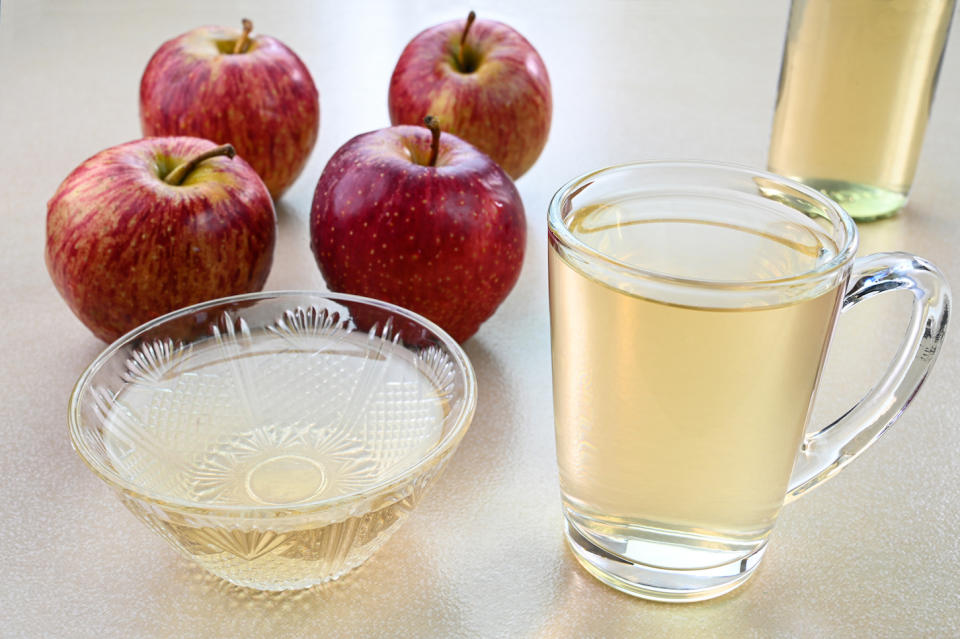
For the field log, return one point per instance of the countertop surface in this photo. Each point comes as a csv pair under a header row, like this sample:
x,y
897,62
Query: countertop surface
x,y
873,553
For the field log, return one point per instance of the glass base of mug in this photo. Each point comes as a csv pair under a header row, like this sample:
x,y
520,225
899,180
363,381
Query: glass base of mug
x,y
636,567
864,202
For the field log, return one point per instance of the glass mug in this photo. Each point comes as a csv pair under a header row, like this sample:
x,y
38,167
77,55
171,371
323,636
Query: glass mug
x,y
691,307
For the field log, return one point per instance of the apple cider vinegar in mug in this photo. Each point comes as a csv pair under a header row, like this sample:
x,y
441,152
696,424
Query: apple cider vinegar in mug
x,y
691,308
660,466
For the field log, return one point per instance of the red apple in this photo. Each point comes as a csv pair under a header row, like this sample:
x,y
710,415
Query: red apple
x,y
484,82
150,226
420,219
252,92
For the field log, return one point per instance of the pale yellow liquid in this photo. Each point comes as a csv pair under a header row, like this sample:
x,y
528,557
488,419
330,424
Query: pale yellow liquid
x,y
855,93
680,418
270,422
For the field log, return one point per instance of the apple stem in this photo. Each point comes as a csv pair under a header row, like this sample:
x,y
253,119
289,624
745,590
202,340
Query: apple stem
x,y
244,41
177,175
463,36
434,125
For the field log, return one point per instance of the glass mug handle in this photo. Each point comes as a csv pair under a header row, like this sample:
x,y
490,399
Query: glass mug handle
x,y
825,452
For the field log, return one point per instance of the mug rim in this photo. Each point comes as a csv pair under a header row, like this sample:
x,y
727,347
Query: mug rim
x,y
845,250
459,422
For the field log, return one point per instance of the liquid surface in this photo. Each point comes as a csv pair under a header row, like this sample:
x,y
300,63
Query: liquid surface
x,y
637,233
270,420
679,424
276,425
855,93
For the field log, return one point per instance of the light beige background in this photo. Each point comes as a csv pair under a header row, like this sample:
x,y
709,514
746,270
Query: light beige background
x,y
874,553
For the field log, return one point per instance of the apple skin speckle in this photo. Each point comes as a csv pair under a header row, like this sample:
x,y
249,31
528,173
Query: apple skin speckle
x,y
124,247
263,102
503,107
451,259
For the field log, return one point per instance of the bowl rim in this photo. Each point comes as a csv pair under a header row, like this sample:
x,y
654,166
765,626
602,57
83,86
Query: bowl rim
x,y
441,450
